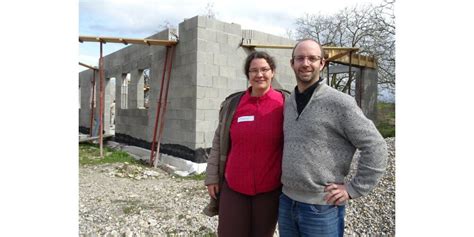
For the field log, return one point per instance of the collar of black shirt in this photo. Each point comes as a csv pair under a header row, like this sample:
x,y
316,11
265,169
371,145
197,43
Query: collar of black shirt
x,y
309,91
303,98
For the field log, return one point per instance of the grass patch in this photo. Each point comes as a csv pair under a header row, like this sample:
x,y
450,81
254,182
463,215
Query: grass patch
x,y
129,210
386,119
89,154
198,177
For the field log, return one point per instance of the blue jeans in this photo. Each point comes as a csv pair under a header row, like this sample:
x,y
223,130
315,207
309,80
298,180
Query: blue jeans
x,y
302,219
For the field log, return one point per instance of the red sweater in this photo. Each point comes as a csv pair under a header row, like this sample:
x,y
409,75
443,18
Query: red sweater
x,y
256,133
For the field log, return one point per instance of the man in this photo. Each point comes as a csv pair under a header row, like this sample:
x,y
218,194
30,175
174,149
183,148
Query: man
x,y
322,129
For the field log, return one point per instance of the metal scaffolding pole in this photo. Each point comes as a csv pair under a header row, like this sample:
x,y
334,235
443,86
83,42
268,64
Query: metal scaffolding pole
x,y
101,109
162,119
92,104
158,111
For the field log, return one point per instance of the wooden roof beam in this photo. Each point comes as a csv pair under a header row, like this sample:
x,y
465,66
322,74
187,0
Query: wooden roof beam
x,y
88,66
148,42
274,46
271,46
358,60
123,41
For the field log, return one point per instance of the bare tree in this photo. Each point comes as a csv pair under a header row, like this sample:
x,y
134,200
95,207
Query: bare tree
x,y
290,33
370,28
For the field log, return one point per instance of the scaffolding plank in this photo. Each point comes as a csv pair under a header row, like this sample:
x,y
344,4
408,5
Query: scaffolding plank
x,y
126,40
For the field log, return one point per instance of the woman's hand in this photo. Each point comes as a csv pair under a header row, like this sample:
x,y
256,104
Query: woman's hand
x,y
213,190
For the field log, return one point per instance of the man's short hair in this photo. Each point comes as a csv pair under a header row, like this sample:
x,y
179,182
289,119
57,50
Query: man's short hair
x,y
323,54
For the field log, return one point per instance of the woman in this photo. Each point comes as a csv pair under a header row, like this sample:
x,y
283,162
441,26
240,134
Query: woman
x,y
244,166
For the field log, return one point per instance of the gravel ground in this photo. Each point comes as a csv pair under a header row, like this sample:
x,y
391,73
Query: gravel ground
x,y
131,200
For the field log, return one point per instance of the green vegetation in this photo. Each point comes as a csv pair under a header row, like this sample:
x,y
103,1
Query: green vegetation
x,y
129,209
198,177
89,154
386,119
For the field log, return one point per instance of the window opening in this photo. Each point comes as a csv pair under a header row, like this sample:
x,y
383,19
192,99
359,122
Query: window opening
x,y
124,91
146,88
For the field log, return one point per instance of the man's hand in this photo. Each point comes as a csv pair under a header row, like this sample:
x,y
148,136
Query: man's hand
x,y
213,190
337,194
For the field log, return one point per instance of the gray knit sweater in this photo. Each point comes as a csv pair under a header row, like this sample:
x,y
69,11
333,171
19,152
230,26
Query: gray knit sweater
x,y
319,146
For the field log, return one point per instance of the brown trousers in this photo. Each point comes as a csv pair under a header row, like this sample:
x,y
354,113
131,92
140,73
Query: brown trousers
x,y
242,215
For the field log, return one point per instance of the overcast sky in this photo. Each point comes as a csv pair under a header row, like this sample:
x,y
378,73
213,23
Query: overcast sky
x,y
142,18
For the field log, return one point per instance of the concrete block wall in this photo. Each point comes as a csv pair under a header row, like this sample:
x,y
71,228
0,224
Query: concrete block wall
x,y
219,72
181,108
85,85
132,120
135,120
369,92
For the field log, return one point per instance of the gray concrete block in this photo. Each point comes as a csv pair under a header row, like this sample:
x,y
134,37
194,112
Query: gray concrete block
x,y
207,46
221,59
143,121
206,34
183,103
219,25
205,57
237,84
209,69
199,137
212,93
211,23
203,126
234,41
370,90
185,91
219,82
210,114
187,60
186,114
189,24
233,28
207,103
202,21
188,35
208,137
201,92
144,62
204,80
187,46
229,49
222,38
227,71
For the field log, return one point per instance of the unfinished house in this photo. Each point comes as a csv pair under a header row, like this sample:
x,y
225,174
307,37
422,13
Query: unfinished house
x,y
207,66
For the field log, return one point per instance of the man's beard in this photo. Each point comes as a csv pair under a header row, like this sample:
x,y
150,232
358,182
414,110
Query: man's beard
x,y
314,77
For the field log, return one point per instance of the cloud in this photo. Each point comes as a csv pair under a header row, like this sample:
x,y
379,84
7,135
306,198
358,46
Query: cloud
x,y
133,18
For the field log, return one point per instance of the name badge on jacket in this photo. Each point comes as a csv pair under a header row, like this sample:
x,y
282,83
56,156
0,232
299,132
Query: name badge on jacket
x,y
245,118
